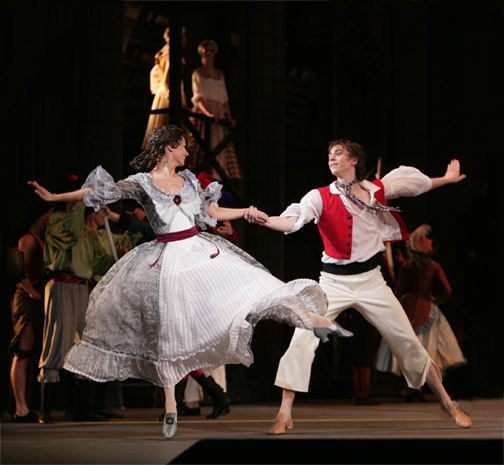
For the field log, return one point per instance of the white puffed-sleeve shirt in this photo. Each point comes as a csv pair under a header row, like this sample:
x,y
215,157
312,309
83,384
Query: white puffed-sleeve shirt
x,y
404,181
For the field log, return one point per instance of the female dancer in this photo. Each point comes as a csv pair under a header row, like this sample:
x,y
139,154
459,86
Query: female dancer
x,y
418,277
210,97
187,300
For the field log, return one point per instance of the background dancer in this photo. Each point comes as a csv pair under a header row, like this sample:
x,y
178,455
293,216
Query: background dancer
x,y
418,277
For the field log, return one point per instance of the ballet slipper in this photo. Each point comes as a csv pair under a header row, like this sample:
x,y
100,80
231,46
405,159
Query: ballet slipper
x,y
281,425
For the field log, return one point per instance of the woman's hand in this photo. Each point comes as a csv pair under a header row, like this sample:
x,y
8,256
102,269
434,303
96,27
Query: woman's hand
x,y
73,196
253,215
42,192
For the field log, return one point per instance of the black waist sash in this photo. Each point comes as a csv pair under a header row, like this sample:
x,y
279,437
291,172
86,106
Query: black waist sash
x,y
355,267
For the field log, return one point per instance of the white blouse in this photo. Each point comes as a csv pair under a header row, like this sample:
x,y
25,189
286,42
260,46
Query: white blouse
x,y
208,88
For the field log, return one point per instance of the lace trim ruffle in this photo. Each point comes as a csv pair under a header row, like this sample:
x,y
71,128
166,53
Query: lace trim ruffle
x,y
104,365
210,195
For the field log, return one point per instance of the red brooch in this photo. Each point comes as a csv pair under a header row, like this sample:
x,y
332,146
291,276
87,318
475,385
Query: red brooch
x,y
177,199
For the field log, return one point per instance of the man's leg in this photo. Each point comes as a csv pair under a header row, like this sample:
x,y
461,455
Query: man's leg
x,y
380,307
283,420
293,375
19,371
294,369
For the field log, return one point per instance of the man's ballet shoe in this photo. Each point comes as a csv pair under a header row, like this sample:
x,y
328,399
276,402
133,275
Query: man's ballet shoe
x,y
459,417
281,425
322,333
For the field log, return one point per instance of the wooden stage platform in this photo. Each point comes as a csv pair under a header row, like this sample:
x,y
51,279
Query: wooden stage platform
x,y
332,431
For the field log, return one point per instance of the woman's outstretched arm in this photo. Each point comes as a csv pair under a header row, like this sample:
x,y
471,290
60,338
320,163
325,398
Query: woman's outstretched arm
x,y
44,194
223,214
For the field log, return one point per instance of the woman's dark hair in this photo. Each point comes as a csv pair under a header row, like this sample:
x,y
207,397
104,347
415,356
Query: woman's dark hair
x,y
354,151
159,139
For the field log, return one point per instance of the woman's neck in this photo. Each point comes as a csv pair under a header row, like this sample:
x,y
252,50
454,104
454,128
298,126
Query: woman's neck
x,y
208,66
164,170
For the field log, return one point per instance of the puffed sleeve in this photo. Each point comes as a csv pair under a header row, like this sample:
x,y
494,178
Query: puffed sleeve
x,y
106,191
208,196
405,181
309,209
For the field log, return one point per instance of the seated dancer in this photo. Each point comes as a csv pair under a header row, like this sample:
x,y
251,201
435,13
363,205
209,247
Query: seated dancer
x,y
188,300
354,221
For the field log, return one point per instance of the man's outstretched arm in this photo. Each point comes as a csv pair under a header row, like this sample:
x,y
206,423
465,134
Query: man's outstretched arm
x,y
277,223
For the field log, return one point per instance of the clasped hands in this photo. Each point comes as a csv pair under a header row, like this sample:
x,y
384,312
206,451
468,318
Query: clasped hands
x,y
254,215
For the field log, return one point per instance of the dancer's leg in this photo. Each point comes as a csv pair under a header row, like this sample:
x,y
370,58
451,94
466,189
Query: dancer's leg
x,y
170,417
323,326
170,402
19,370
434,382
447,405
320,321
283,420
287,402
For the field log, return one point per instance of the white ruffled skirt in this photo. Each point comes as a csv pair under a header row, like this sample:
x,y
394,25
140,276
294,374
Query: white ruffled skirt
x,y
165,310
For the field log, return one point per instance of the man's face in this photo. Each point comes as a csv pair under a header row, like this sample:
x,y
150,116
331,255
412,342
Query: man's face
x,y
340,164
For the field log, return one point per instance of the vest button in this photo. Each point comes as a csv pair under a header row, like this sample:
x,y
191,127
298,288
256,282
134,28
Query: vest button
x,y
349,235
349,217
350,226
348,245
348,253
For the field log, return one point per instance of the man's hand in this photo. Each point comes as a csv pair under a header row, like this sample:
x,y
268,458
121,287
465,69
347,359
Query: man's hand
x,y
452,174
226,228
137,213
106,212
253,215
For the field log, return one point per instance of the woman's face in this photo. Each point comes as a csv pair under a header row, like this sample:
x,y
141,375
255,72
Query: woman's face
x,y
208,52
179,153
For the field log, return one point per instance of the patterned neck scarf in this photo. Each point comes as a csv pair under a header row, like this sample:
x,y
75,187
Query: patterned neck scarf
x,y
355,199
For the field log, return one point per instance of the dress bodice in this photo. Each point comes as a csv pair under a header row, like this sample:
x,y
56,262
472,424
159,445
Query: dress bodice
x,y
166,212
208,88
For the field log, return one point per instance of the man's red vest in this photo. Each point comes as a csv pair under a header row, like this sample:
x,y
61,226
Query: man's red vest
x,y
336,223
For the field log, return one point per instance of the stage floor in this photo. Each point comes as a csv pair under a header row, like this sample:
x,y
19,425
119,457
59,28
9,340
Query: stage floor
x,y
393,425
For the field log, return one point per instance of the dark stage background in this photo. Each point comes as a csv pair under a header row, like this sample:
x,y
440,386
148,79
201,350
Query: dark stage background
x,y
415,83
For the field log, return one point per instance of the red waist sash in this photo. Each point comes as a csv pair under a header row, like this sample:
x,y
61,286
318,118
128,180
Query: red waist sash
x,y
66,277
177,236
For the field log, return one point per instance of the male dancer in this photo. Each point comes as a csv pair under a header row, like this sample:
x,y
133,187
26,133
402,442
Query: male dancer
x,y
354,222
